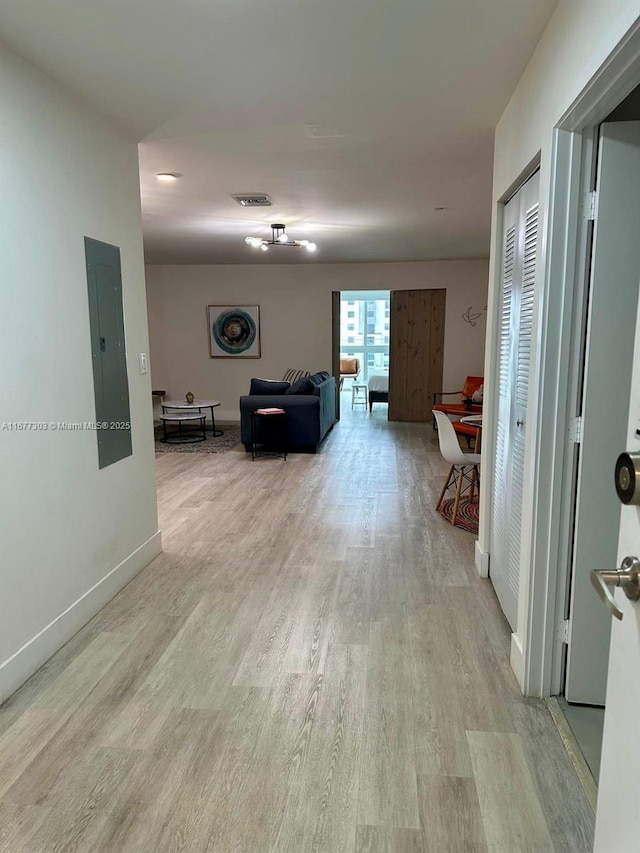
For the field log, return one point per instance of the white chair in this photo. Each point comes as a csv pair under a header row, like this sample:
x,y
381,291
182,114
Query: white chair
x,y
459,472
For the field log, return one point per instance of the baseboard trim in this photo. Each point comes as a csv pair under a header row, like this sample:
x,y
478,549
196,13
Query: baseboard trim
x,y
482,561
578,760
517,659
37,651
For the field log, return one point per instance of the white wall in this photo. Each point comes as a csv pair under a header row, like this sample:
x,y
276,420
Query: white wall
x,y
72,535
576,43
295,312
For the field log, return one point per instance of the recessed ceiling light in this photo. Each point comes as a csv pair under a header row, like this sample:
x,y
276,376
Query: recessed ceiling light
x,y
166,177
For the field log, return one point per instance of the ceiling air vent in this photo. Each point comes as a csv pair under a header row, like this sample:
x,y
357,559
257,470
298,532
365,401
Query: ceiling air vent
x,y
253,199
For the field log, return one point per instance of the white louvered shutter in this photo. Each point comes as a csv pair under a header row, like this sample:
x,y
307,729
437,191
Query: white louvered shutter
x,y
499,533
515,354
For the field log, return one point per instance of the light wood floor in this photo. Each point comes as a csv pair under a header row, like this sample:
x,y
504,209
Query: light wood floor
x,y
313,664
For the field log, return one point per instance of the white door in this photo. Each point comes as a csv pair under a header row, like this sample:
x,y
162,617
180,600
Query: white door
x,y
612,304
519,252
618,814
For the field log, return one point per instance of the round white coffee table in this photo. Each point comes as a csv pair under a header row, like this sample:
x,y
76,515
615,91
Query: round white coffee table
x,y
180,418
196,406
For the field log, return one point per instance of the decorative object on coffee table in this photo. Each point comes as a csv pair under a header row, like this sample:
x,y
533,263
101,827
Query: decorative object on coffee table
x,y
234,331
189,397
269,432
194,406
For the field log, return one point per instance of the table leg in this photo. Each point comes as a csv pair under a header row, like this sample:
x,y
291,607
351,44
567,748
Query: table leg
x,y
253,436
216,432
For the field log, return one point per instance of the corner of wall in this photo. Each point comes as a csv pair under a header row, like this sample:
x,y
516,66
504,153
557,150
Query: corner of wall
x,y
481,560
516,660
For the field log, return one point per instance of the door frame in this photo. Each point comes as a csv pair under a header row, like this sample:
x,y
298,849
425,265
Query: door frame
x,y
335,345
567,234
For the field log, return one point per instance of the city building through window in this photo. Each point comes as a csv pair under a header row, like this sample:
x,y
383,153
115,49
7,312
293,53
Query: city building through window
x,y
364,330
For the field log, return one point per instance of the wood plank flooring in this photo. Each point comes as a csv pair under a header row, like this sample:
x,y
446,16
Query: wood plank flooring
x,y
312,664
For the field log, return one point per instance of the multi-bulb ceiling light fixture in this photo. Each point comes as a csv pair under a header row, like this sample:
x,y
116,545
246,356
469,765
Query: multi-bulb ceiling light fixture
x,y
279,237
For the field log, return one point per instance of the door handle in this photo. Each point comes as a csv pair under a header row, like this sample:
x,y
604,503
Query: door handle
x,y
628,477
627,577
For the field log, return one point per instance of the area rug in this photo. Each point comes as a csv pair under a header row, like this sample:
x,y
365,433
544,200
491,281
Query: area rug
x,y
229,439
468,513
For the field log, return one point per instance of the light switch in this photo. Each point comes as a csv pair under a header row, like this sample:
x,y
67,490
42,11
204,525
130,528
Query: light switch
x,y
144,365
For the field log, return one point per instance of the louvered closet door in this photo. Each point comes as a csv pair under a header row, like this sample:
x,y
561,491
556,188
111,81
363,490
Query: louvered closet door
x,y
515,341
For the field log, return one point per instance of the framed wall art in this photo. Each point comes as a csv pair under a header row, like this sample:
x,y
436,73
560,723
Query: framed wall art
x,y
234,331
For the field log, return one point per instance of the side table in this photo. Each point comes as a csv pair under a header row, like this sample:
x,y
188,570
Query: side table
x,y
358,396
269,430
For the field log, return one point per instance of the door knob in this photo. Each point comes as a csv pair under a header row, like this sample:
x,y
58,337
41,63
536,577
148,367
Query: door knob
x,y
627,577
519,422
628,478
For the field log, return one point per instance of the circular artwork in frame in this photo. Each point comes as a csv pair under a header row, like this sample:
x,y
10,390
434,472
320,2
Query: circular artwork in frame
x,y
234,331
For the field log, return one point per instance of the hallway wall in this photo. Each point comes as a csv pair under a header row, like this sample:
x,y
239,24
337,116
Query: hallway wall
x,y
295,313
577,42
71,535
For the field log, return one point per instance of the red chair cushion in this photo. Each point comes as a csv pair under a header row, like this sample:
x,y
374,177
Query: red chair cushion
x,y
465,429
458,408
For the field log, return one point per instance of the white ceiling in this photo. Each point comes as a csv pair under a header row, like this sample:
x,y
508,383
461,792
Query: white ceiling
x,y
358,117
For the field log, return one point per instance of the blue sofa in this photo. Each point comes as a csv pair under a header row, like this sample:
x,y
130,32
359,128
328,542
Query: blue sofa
x,y
310,415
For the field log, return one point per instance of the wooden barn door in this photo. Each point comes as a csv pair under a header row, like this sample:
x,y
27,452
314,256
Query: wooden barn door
x,y
415,352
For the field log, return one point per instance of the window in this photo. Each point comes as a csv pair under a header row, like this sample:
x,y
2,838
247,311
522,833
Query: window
x,y
364,326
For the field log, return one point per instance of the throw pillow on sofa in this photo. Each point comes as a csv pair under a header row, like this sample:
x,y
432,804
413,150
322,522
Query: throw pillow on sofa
x,y
292,375
267,386
302,386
